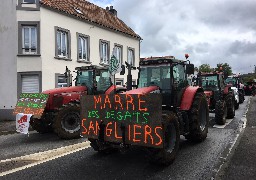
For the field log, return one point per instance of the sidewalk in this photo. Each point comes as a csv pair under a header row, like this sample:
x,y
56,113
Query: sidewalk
x,y
242,164
7,127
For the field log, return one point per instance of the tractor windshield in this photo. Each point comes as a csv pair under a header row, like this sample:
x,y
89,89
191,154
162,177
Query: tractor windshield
x,y
99,78
231,80
155,76
210,82
103,81
85,78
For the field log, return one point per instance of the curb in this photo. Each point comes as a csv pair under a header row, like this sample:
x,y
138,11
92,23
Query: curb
x,y
229,151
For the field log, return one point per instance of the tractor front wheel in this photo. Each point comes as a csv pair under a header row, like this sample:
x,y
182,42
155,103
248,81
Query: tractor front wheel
x,y
171,141
67,121
241,97
41,125
236,104
220,112
230,102
198,119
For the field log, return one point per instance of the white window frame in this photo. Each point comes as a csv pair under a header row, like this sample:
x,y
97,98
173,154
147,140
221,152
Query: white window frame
x,y
83,41
30,39
131,56
119,53
59,46
104,52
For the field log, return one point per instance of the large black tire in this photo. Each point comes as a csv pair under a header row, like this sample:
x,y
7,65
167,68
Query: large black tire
x,y
102,148
41,125
67,121
230,102
241,97
167,154
220,112
236,105
198,119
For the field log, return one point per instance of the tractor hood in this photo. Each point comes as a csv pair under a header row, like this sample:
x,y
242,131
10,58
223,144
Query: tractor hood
x,y
71,89
144,90
64,95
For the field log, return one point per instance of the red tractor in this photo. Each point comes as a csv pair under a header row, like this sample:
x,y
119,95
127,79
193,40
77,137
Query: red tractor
x,y
184,111
62,112
236,83
220,97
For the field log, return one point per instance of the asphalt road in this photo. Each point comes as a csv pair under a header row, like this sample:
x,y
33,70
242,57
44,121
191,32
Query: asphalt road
x,y
194,161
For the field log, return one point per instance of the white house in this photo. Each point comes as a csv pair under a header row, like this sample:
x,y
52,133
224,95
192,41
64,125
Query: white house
x,y
42,37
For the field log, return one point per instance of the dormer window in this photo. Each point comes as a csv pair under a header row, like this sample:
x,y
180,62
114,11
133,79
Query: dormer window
x,y
78,11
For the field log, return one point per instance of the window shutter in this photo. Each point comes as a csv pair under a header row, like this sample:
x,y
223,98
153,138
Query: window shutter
x,y
30,83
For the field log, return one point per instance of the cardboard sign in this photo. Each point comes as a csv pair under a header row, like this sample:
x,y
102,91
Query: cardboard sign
x,y
22,122
123,118
31,103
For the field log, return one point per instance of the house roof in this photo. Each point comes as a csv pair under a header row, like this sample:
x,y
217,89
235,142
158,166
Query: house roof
x,y
91,13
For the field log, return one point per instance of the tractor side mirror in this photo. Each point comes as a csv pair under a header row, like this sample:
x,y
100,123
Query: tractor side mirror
x,y
189,68
122,70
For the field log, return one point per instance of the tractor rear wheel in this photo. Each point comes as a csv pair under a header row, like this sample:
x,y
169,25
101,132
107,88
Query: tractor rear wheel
x,y
171,141
220,112
198,119
241,97
230,102
67,121
41,125
236,105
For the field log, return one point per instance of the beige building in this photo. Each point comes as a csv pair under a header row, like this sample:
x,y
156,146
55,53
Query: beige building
x,y
49,35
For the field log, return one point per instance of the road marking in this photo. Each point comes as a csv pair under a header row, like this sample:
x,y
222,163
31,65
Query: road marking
x,y
42,157
233,144
223,126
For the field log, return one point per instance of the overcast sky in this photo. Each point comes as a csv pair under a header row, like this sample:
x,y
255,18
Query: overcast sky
x,y
211,31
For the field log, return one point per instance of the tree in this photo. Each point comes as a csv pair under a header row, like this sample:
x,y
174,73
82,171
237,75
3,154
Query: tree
x,y
205,68
225,67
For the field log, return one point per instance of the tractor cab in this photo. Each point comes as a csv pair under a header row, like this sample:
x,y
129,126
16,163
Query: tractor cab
x,y
95,78
212,81
236,84
168,74
235,81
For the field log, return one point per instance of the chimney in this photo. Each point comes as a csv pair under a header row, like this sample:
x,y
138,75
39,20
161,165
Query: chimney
x,y
112,10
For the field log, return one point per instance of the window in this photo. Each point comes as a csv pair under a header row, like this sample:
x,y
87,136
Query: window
x,y
28,5
104,52
62,50
83,47
29,1
62,81
29,82
29,37
119,82
119,53
62,43
131,56
179,76
134,83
